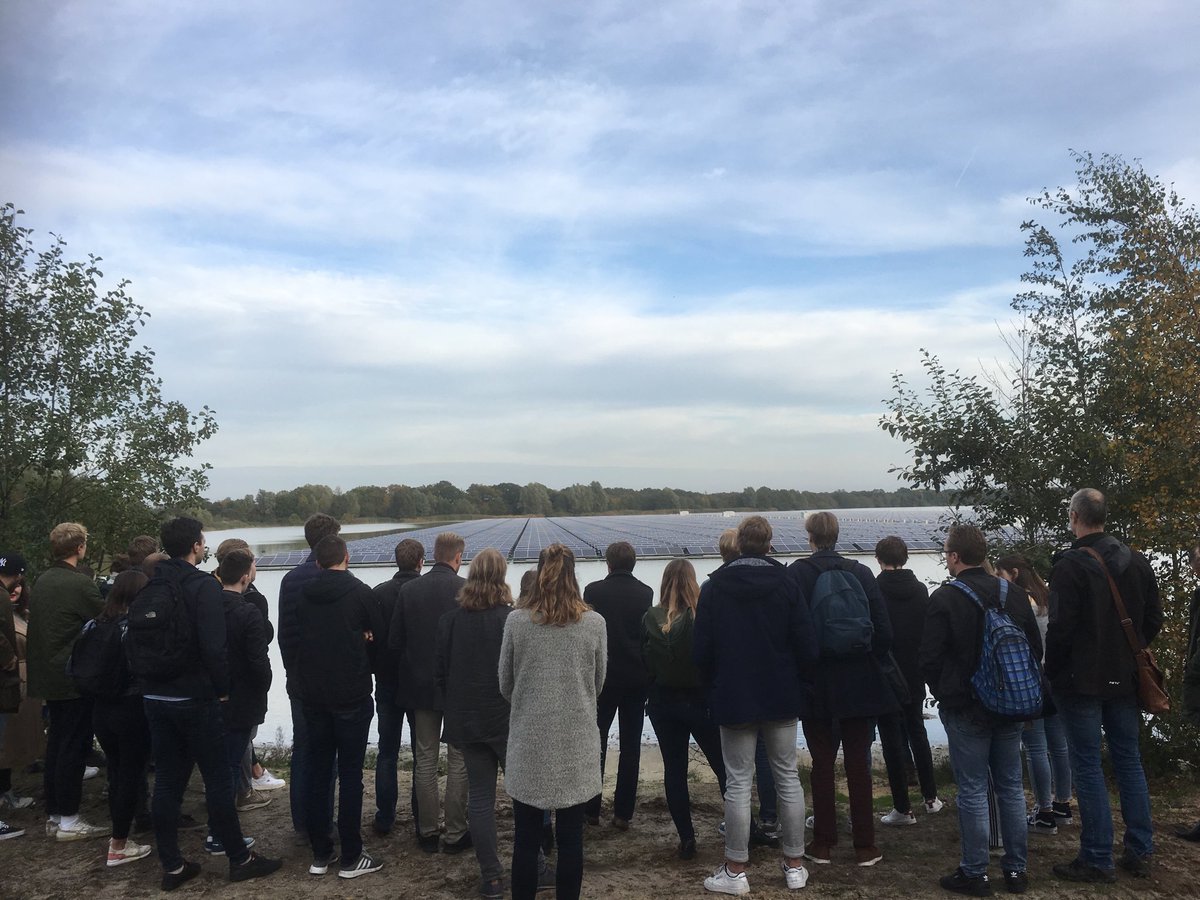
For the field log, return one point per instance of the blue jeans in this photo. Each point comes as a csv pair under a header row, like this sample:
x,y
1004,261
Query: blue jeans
x,y
737,749
675,718
1045,742
1121,720
182,731
977,747
340,734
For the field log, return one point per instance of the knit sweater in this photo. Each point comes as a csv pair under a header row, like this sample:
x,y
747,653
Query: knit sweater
x,y
551,675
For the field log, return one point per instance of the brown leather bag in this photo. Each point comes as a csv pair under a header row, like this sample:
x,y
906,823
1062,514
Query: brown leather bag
x,y
1151,685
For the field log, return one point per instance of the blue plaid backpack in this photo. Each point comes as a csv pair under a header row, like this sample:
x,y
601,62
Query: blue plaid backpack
x,y
1008,680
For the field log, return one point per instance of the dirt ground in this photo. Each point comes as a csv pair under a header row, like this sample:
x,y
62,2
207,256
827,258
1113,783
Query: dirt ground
x,y
637,863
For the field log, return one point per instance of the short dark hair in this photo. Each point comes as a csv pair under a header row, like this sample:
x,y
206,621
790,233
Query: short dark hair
x,y
823,529
968,542
754,536
892,551
141,547
317,526
180,534
1090,507
235,565
124,588
620,556
330,551
409,554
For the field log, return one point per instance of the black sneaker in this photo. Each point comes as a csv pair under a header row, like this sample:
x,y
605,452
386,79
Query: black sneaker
x,y
364,865
1078,870
1062,813
321,865
1043,822
972,885
492,889
429,843
764,834
687,849
1016,882
1137,866
254,867
463,843
172,880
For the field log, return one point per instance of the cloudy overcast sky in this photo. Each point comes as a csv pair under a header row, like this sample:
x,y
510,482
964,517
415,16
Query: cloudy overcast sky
x,y
670,243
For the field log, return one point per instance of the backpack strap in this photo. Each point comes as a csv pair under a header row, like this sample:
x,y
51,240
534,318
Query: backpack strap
x,y
966,589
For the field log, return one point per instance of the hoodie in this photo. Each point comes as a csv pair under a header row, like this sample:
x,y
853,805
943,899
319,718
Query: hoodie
x,y
332,663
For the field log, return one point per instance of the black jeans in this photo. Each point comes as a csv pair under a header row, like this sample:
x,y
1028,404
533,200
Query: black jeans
x,y
629,706
527,841
298,795
341,733
387,794
120,726
676,718
183,731
67,743
897,733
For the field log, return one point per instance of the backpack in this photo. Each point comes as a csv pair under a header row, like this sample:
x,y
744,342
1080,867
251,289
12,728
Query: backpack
x,y
160,643
97,661
1008,680
841,613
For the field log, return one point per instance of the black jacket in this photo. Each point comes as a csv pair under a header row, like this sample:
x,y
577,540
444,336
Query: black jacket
x,y
413,634
1086,648
332,665
622,600
290,589
256,597
249,665
206,675
906,598
468,675
953,637
851,687
387,660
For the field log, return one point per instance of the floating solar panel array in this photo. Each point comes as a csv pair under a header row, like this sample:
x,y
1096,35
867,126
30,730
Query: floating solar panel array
x,y
521,540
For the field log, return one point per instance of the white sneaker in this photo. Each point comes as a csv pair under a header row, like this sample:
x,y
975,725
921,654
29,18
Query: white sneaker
x,y
795,876
127,854
90,772
12,801
808,823
933,806
81,830
268,782
723,881
51,828
895,817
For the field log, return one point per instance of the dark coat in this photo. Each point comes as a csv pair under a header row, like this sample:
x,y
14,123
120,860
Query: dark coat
x,y
1191,670
249,665
754,643
332,667
851,687
468,675
1086,648
413,634
62,601
289,599
622,600
953,637
906,598
387,660
10,672
259,600
668,655
206,675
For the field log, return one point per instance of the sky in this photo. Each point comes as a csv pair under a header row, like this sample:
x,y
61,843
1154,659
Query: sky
x,y
675,244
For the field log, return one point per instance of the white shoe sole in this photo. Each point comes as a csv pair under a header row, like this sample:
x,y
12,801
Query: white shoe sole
x,y
121,860
66,836
735,888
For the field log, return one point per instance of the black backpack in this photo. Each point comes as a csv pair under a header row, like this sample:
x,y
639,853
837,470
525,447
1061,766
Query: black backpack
x,y
160,642
841,613
97,662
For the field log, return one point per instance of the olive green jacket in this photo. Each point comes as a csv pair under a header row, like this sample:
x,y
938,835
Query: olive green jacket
x,y
62,600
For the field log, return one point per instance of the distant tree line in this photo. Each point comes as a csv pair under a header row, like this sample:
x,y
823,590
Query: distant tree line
x,y
399,501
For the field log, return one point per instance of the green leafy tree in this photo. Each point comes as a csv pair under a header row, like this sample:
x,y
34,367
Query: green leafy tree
x,y
88,436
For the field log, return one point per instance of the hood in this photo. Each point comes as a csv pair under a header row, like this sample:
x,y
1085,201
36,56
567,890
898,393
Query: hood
x,y
1116,555
750,577
899,576
329,586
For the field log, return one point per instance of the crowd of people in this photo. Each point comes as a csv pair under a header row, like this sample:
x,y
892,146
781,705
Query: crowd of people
x,y
169,671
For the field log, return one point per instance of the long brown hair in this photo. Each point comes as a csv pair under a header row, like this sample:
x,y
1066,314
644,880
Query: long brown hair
x,y
555,599
485,585
124,588
1025,576
679,591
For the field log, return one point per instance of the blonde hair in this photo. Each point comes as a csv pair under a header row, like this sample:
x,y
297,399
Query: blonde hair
x,y
679,591
727,545
446,546
66,539
228,545
485,585
555,599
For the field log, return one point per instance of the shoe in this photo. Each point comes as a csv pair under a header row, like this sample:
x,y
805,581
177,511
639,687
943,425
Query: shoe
x,y
723,881
463,843
866,856
213,847
934,806
687,849
1137,866
267,782
961,883
51,828
127,854
1078,870
81,831
721,828
10,831
1016,882
429,842
760,837
12,801
620,824
492,889
1188,834
795,876
90,772
547,878
809,823
186,873
188,823
381,828
1062,813
818,853
321,866
254,867
1042,822
252,799
364,865
895,817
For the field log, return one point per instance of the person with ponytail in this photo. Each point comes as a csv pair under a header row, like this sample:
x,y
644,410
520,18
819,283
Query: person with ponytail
x,y
678,705
553,660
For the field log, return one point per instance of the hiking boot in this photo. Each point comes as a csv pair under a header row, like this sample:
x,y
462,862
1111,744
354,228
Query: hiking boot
x,y
895,817
1043,822
7,832
364,865
961,883
818,853
181,876
254,867
1137,866
866,856
795,876
722,881
81,831
321,866
127,854
252,799
934,806
1062,813
1016,882
1078,870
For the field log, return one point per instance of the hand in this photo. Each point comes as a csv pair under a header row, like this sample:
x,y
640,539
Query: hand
x,y
368,636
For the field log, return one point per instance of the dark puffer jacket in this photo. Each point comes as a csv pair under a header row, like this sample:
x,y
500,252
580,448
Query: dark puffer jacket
x,y
249,665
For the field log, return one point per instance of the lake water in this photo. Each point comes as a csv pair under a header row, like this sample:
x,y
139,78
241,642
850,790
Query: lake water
x,y
278,724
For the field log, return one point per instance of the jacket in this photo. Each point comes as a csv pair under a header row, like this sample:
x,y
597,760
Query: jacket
x,y
622,600
754,643
289,599
387,660
953,637
1086,648
468,675
668,656
906,599
1191,667
25,734
249,665
852,687
413,634
62,600
259,601
10,670
332,664
206,676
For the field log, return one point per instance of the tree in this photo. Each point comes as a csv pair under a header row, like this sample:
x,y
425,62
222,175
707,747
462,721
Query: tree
x,y
87,434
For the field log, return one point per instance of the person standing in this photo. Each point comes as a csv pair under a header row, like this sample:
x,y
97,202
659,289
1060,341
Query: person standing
x,y
12,568
1191,678
1093,674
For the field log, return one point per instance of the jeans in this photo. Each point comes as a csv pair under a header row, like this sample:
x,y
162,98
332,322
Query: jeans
x,y
737,749
339,734
298,796
1121,721
426,741
236,742
856,737
898,733
527,842
483,762
977,747
183,731
67,743
121,728
1045,742
675,718
391,723
629,708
